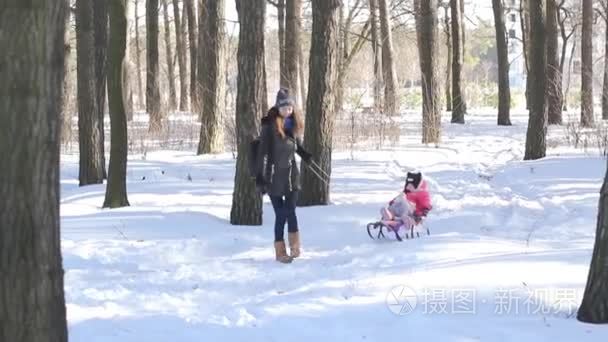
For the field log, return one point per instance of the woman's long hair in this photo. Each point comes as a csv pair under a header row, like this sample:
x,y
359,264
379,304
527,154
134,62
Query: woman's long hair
x,y
298,127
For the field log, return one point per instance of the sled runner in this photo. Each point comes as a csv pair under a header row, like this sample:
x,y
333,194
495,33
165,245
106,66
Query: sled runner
x,y
380,229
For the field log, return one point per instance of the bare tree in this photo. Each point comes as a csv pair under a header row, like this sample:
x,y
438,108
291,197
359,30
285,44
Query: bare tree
x,y
426,33
251,104
320,107
212,76
140,92
536,145
32,304
554,77
66,114
100,13
89,136
281,32
504,90
293,28
458,101
604,14
594,307
391,105
377,51
181,57
524,19
192,34
448,41
346,51
587,65
169,57
116,189
152,84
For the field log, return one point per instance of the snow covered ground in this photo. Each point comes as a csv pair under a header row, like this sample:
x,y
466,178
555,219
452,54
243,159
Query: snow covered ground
x,y
507,258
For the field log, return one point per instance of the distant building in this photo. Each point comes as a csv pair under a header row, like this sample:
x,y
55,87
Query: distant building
x,y
517,70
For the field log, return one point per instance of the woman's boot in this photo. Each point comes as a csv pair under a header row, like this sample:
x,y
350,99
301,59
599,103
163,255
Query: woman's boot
x,y
294,244
281,252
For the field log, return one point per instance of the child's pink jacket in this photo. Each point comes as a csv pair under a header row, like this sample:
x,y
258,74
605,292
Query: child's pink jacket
x,y
420,198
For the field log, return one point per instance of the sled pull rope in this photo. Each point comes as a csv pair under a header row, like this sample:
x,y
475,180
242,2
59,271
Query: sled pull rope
x,y
318,171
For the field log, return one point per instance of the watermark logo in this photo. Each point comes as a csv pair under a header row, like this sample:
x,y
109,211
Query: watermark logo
x,y
401,300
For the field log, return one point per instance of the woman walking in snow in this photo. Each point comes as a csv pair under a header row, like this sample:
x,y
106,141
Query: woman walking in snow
x,y
280,140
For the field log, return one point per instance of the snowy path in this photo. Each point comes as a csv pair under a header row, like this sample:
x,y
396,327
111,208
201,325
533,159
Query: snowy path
x,y
507,260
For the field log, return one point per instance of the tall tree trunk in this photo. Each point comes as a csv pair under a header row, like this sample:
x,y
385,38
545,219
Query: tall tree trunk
x,y
32,304
251,103
569,78
140,92
504,90
426,33
116,189
448,71
192,34
89,137
536,145
605,85
293,28
342,47
377,51
463,48
152,84
66,113
388,65
594,307
524,19
458,106
587,65
181,57
100,12
302,77
554,76
211,66
281,32
169,57
127,71
323,70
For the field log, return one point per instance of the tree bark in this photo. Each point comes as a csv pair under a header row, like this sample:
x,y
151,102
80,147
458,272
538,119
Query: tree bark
x,y
594,307
536,145
192,34
293,28
458,102
524,19
169,58
251,103
140,92
426,33
281,33
448,72
391,106
100,12
319,124
587,65
554,77
377,52
211,66
301,63
181,58
152,85
66,114
116,189
504,90
32,304
89,137
605,85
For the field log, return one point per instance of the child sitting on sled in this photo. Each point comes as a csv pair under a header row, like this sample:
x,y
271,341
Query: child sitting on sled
x,y
410,206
